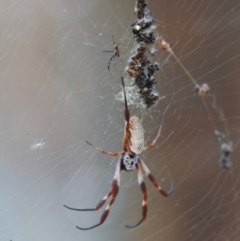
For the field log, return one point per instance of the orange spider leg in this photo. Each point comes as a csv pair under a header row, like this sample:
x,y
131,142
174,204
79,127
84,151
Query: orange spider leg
x,y
105,152
153,180
156,138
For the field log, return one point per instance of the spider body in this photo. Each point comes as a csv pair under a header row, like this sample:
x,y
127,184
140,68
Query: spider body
x,y
115,51
137,135
129,160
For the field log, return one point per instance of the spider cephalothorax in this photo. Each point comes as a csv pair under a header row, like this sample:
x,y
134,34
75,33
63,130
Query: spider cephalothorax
x,y
133,145
128,161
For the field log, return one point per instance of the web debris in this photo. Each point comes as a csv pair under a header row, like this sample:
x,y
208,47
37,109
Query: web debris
x,y
203,91
226,148
37,144
139,66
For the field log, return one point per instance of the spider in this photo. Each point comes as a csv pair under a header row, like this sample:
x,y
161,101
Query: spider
x,y
133,145
115,51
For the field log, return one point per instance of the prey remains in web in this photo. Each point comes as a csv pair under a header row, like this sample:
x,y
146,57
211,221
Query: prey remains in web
x,y
204,91
129,160
140,67
226,148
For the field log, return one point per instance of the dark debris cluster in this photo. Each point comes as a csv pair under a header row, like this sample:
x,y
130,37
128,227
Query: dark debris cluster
x,y
139,65
225,148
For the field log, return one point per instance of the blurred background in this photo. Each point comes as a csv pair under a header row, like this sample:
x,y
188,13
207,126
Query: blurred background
x,y
56,92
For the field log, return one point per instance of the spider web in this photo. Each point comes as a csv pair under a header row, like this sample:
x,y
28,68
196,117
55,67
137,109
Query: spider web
x,y
56,92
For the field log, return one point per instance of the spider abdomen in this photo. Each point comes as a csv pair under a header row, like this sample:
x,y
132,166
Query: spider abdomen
x,y
137,135
129,161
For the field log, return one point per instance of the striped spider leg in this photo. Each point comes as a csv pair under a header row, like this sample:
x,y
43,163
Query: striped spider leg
x,y
133,145
115,51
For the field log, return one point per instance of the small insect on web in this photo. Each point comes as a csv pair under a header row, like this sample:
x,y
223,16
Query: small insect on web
x,y
115,51
133,145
